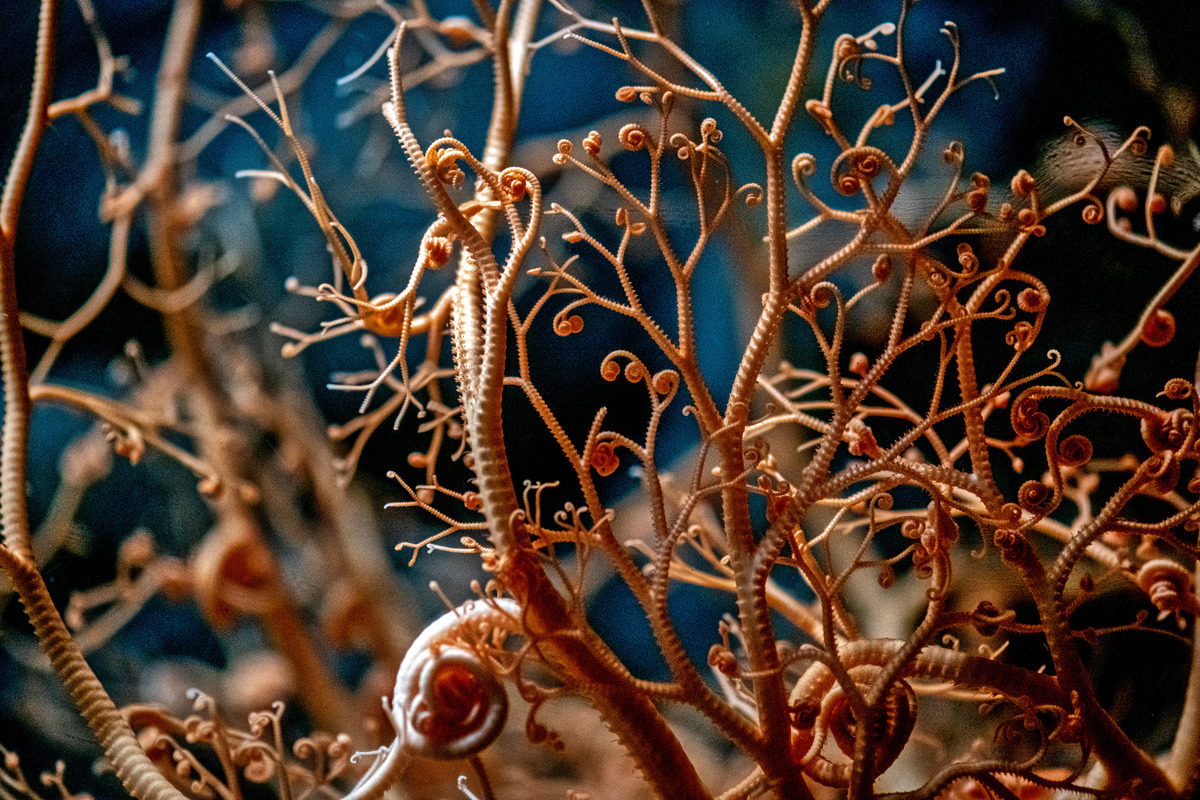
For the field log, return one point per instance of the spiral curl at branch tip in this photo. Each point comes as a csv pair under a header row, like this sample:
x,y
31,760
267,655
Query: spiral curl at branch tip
x,y
448,702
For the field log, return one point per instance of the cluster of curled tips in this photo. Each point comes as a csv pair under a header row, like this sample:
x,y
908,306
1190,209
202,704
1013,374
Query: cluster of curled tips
x,y
448,702
858,166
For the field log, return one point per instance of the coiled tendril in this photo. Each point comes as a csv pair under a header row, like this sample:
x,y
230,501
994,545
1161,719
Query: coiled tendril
x,y
448,702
